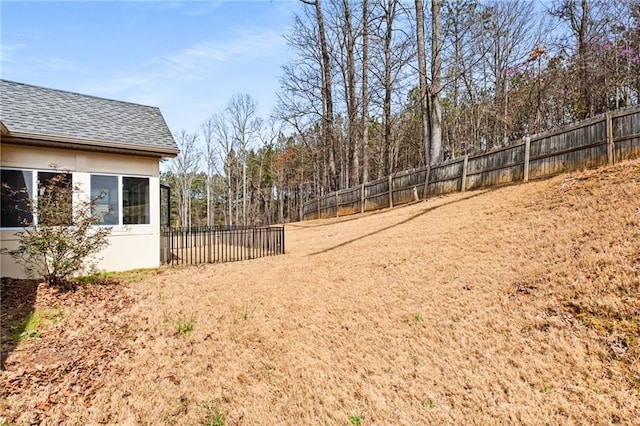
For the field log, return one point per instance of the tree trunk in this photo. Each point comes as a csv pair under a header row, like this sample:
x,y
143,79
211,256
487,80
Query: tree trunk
x,y
327,96
422,72
388,39
436,81
583,64
352,107
365,91
244,190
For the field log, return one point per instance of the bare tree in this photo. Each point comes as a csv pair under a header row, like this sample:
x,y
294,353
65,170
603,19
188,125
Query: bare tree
x,y
422,74
351,98
365,90
327,94
436,81
509,40
208,135
245,124
224,149
184,168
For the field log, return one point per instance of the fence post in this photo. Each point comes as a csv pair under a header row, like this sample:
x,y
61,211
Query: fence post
x,y
610,150
527,156
426,182
362,198
337,203
318,206
465,164
391,191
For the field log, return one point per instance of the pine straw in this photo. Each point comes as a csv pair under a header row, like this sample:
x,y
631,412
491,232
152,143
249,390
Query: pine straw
x,y
515,305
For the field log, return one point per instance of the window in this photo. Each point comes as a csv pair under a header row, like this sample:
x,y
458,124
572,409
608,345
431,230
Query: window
x,y
106,204
135,201
118,200
55,198
16,193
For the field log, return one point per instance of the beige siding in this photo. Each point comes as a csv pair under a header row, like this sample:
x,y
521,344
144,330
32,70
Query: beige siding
x,y
77,161
130,247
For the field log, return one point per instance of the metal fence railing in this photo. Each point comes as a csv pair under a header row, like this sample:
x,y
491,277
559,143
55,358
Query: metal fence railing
x,y
216,244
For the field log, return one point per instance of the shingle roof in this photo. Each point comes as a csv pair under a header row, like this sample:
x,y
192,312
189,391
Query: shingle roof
x,y
95,121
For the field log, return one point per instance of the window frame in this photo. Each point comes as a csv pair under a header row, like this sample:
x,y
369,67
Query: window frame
x,y
118,188
121,206
74,180
34,191
148,201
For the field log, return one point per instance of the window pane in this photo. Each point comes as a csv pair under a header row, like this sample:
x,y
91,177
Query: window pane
x,y
104,194
17,188
135,201
55,198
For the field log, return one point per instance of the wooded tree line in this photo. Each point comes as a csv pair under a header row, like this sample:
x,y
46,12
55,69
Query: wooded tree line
x,y
379,86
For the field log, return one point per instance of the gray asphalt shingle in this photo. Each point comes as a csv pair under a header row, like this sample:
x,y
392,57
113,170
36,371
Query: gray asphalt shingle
x,y
33,109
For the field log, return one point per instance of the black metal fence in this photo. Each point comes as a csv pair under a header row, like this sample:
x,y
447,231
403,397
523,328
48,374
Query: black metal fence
x,y
215,244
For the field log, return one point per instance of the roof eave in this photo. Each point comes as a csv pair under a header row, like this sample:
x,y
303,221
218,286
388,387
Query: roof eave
x,y
54,141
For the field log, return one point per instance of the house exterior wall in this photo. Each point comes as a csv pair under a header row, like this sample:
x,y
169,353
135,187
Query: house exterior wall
x,y
130,246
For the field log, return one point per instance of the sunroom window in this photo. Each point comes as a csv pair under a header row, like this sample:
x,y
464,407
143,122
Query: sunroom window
x,y
55,198
17,191
135,201
106,204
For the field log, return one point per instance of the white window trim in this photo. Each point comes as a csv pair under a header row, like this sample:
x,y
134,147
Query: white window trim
x,y
34,189
120,177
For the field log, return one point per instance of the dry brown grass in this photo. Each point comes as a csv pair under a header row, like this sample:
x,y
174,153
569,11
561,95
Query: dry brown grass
x,y
512,306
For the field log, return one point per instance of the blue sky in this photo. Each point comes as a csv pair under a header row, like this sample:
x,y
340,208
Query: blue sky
x,y
188,58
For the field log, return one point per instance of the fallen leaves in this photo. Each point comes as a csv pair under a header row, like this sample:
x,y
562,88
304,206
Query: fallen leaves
x,y
67,363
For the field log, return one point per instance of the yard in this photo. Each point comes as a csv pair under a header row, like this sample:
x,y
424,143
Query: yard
x,y
514,305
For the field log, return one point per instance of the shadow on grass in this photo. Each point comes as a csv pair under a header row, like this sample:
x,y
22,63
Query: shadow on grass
x,y
17,302
409,219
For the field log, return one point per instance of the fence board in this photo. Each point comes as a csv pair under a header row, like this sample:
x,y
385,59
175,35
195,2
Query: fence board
x,y
349,201
626,134
445,178
376,194
328,205
496,168
404,184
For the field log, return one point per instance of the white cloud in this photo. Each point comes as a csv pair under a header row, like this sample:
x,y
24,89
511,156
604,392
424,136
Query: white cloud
x,y
247,44
58,64
193,82
7,51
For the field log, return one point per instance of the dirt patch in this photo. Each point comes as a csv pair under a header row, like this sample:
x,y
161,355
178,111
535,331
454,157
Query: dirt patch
x,y
515,305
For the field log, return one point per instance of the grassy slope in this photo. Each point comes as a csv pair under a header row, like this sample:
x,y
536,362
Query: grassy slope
x,y
515,305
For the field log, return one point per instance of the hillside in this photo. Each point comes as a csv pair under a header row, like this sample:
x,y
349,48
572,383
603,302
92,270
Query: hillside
x,y
513,305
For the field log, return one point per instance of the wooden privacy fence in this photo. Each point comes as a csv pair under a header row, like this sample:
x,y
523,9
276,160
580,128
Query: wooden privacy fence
x,y
215,244
606,139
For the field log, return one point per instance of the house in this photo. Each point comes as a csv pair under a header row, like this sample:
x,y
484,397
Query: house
x,y
105,147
